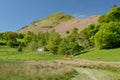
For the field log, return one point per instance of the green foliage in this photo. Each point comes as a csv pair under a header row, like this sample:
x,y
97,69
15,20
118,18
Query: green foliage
x,y
20,36
112,15
40,43
106,33
10,36
108,36
11,43
1,36
19,48
70,44
42,39
63,48
28,37
32,46
74,35
74,48
53,42
89,33
11,39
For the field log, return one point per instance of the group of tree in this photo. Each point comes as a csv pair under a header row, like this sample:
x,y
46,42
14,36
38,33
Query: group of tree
x,y
53,42
105,34
10,38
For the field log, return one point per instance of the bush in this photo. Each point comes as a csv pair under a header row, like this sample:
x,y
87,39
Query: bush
x,y
32,46
12,43
19,48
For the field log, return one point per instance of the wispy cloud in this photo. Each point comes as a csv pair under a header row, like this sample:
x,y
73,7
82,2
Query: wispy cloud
x,y
80,15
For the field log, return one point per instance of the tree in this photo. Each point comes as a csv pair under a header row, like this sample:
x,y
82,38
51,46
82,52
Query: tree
x,y
70,45
53,42
41,43
73,36
32,46
113,15
21,36
89,32
63,48
19,48
69,48
10,38
108,36
28,37
42,39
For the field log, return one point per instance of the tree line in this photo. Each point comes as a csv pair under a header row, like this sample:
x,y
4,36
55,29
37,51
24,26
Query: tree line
x,y
103,35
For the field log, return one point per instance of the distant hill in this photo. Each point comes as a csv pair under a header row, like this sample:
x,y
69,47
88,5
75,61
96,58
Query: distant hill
x,y
60,22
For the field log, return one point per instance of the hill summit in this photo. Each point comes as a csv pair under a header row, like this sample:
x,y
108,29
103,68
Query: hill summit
x,y
60,22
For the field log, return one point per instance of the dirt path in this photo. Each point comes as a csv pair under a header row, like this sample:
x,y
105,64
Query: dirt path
x,y
90,75
84,73
95,74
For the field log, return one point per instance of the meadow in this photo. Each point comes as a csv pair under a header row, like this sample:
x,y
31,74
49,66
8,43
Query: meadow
x,y
27,65
13,54
33,70
102,55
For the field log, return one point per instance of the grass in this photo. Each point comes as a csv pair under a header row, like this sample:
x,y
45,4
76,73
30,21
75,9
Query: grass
x,y
102,55
28,65
34,65
34,70
85,73
110,68
13,54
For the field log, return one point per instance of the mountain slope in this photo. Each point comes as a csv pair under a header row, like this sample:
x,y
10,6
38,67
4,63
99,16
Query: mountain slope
x,y
78,23
60,22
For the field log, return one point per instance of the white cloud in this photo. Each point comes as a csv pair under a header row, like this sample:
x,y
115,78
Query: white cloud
x,y
80,15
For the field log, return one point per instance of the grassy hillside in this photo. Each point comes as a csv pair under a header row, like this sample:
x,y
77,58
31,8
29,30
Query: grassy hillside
x,y
102,55
60,22
47,23
52,20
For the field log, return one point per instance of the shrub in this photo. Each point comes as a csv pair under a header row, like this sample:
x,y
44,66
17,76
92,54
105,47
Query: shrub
x,y
32,46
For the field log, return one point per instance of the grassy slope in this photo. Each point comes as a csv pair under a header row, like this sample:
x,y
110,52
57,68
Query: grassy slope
x,y
102,55
46,24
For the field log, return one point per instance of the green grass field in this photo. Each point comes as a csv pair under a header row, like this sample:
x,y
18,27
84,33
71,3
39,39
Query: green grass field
x,y
95,54
13,54
102,55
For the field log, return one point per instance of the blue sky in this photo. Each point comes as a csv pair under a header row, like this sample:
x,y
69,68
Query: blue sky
x,y
15,14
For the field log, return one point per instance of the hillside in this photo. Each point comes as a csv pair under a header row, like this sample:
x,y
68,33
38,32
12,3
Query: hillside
x,y
60,22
